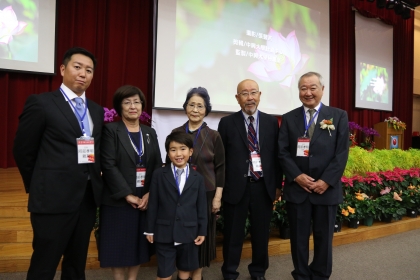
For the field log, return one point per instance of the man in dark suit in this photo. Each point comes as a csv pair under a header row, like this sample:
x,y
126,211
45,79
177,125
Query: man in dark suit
x,y
313,150
252,177
57,152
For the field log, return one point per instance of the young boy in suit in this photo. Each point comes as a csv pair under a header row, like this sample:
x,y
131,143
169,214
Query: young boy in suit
x,y
177,210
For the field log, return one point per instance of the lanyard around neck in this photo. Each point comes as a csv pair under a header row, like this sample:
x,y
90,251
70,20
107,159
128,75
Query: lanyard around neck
x,y
198,133
81,118
139,148
312,120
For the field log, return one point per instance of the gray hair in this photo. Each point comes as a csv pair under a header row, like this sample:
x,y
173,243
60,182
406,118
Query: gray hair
x,y
310,74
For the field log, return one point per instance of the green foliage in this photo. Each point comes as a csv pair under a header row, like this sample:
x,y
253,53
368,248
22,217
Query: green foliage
x,y
390,207
279,216
361,161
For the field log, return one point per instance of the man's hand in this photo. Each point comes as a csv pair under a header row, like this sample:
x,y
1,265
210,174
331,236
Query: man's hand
x,y
320,187
199,240
305,182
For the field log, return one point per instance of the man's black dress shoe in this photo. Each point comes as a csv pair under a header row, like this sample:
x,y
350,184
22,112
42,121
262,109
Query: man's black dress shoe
x,y
257,277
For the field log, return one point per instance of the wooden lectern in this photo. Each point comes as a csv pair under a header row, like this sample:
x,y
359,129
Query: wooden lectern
x,y
389,138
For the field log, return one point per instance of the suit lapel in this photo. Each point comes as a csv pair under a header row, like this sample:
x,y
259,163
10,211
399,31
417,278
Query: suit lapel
x,y
125,140
146,140
169,176
93,112
68,113
190,180
324,114
240,125
300,121
261,130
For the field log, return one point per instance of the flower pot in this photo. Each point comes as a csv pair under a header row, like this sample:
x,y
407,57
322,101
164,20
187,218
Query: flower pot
x,y
284,232
368,221
386,219
412,213
353,223
337,226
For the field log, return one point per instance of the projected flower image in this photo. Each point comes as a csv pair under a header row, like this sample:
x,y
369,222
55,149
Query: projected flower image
x,y
19,31
281,60
9,25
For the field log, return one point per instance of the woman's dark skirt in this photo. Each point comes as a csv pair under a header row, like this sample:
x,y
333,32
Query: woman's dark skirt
x,y
121,236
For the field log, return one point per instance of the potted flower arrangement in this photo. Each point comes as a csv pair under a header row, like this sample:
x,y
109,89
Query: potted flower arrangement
x,y
411,199
341,216
368,143
280,219
353,128
349,212
395,123
390,206
367,208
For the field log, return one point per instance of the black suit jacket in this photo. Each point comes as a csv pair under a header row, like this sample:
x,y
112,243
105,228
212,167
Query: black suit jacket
x,y
327,155
234,136
119,162
45,152
172,217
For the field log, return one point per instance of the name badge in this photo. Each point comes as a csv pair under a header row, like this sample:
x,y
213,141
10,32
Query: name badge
x,y
140,175
303,147
85,150
256,161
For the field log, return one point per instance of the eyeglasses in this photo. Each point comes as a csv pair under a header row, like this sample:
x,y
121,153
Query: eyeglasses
x,y
199,107
246,94
129,103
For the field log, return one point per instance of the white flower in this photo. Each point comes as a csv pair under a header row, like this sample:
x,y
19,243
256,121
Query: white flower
x,y
327,124
9,25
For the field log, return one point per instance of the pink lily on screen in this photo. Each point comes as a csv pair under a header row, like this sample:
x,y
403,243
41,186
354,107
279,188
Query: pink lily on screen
x,y
281,60
9,25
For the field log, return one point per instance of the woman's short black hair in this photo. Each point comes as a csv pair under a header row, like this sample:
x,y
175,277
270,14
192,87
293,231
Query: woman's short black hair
x,y
202,92
125,92
180,137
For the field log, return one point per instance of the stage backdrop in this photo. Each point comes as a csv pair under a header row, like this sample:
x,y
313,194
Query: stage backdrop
x,y
119,34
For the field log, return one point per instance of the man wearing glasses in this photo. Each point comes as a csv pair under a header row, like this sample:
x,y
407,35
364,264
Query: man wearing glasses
x,y
253,180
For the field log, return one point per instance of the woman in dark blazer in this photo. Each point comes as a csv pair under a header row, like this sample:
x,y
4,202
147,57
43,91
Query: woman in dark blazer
x,y
208,159
130,154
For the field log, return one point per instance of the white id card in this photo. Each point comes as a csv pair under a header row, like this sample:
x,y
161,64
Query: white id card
x,y
303,147
256,162
140,175
85,150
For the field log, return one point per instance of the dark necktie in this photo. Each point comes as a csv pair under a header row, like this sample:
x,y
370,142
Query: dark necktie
x,y
253,146
312,127
81,110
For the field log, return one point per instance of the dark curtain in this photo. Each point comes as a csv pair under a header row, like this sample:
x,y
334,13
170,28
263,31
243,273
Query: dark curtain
x,y
119,33
342,21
